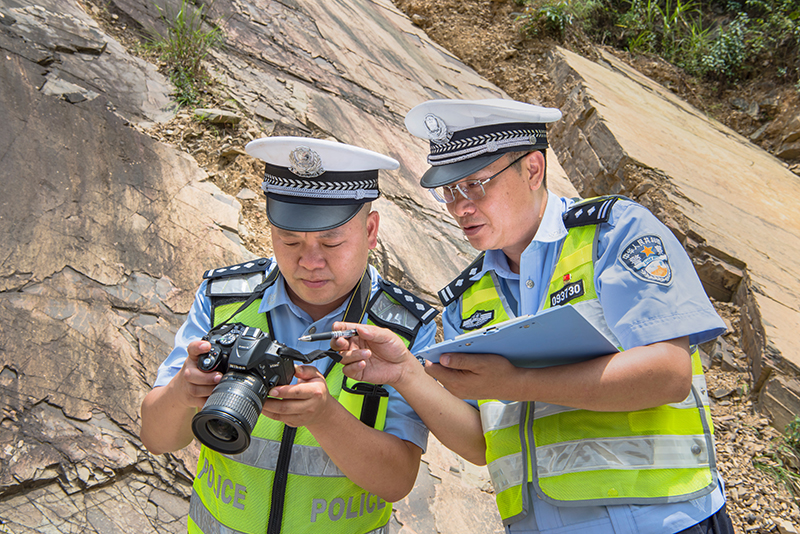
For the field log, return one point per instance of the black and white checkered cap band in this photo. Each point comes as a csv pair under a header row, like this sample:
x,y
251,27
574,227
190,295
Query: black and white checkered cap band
x,y
353,186
475,142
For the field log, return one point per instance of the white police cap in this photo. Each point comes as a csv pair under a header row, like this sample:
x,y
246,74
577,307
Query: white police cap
x,y
313,185
467,135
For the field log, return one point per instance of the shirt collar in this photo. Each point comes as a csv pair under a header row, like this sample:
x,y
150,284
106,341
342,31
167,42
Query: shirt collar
x,y
276,295
551,229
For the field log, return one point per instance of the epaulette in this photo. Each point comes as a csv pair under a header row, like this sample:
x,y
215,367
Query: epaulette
x,y
237,280
456,288
591,211
403,309
252,266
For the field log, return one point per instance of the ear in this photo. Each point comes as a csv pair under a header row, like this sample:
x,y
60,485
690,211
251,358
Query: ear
x,y
373,221
535,165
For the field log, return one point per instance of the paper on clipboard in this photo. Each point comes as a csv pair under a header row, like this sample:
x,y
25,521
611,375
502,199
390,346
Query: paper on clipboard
x,y
556,336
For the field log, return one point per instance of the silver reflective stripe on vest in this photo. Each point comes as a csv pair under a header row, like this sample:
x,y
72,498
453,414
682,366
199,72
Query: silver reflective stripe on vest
x,y
206,522
507,472
210,525
698,386
542,409
305,460
653,452
497,415
239,285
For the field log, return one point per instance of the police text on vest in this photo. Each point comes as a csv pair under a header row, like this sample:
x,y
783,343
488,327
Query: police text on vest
x,y
337,508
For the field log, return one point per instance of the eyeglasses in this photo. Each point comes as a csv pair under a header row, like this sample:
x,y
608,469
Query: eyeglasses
x,y
471,189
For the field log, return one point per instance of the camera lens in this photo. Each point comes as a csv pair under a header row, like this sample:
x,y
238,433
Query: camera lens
x,y
230,413
222,430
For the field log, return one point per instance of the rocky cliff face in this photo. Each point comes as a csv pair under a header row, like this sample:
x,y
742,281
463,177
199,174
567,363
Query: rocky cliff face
x,y
107,227
107,231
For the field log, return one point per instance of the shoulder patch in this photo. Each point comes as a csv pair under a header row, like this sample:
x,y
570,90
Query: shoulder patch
x,y
388,311
647,259
237,280
592,211
456,288
253,266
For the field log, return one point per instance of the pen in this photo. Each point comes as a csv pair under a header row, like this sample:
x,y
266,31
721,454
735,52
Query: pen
x,y
328,335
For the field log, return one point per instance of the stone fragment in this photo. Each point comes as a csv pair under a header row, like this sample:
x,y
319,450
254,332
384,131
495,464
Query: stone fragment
x,y
217,116
786,527
247,194
720,393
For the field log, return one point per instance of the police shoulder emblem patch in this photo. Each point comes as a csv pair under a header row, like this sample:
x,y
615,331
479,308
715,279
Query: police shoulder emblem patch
x,y
647,259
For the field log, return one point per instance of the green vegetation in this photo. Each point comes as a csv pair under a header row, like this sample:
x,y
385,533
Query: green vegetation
x,y
183,47
784,461
721,40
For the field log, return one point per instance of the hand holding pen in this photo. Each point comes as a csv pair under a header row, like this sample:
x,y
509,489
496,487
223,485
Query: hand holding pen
x,y
321,336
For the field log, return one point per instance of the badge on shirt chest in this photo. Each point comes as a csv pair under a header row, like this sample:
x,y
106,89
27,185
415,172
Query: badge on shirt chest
x,y
647,259
477,320
567,293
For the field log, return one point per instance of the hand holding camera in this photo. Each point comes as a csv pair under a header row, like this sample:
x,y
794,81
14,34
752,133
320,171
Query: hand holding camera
x,y
252,364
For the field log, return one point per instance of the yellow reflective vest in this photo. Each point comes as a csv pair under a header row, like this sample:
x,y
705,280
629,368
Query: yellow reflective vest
x,y
284,481
578,457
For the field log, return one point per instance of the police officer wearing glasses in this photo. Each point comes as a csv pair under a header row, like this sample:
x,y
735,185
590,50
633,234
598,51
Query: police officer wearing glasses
x,y
622,443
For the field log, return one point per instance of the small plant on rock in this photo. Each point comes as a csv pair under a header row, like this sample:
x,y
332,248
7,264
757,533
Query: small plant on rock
x,y
183,47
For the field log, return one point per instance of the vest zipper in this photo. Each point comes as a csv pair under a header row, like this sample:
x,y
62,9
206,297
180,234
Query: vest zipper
x,y
280,480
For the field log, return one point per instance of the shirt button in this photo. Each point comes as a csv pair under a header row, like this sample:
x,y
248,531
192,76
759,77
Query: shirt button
x,y
312,329
529,283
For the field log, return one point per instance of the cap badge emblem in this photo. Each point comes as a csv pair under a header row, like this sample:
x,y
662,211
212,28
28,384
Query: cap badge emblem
x,y
305,162
437,129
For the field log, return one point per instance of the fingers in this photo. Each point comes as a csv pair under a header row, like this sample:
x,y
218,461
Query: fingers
x,y
456,360
196,348
198,385
469,362
355,370
438,371
301,404
310,383
367,332
353,356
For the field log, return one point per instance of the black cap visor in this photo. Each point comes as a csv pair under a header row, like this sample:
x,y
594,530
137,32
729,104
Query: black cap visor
x,y
295,217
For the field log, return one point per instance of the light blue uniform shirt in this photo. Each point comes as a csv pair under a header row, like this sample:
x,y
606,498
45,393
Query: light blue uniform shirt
x,y
290,322
639,312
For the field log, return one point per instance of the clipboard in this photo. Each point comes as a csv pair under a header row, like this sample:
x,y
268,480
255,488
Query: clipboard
x,y
556,336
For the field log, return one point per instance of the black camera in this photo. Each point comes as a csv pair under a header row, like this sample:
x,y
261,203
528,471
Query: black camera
x,y
252,363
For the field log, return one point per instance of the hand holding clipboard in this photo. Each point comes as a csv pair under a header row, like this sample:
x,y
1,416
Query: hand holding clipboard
x,y
556,336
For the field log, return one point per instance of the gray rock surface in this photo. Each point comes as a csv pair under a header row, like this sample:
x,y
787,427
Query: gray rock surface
x,y
106,231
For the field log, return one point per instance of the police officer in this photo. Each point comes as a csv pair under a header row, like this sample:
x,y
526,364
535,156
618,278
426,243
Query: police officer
x,y
621,443
327,454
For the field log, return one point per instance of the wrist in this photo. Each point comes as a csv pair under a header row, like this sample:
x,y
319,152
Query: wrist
x,y
411,368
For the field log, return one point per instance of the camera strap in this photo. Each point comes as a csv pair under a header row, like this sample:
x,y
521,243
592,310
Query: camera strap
x,y
357,306
354,313
371,395
256,294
